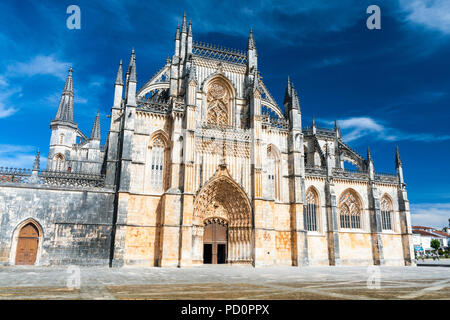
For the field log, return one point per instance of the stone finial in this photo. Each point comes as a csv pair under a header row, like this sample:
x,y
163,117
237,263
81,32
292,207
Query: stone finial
x,y
337,130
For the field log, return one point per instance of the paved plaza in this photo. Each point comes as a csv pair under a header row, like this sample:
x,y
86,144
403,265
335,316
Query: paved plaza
x,y
226,282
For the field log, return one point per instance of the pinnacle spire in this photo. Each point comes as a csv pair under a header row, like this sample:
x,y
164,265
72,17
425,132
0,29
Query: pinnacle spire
x,y
65,108
177,33
251,41
184,25
398,161
119,77
132,67
369,156
190,29
37,161
337,129
314,122
288,94
95,132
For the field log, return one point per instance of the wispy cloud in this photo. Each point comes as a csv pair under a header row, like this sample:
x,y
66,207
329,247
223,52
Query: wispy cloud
x,y
355,128
434,215
6,109
19,156
433,14
39,65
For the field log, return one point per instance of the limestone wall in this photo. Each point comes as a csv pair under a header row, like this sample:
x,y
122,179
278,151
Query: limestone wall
x,y
75,225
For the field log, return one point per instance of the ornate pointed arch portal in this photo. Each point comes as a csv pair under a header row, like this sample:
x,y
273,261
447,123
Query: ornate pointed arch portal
x,y
222,215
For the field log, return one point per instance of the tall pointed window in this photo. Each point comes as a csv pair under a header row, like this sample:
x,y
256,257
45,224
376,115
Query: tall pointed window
x,y
157,165
386,213
273,172
310,211
59,162
350,211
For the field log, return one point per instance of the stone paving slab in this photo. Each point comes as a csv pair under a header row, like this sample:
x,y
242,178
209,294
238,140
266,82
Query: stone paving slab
x,y
226,282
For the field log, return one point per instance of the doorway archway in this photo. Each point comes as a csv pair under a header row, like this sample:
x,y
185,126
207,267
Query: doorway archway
x,y
27,245
215,241
222,222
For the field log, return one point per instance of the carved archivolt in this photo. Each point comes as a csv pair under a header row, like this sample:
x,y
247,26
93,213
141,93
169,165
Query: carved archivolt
x,y
222,198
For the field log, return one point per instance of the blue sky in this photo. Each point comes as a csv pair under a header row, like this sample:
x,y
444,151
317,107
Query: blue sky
x,y
386,87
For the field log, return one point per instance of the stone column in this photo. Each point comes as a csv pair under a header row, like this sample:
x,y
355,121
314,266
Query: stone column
x,y
375,225
332,225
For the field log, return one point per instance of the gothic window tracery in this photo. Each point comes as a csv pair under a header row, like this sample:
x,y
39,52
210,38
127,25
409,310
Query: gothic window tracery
x,y
310,212
350,211
59,162
218,100
157,164
386,213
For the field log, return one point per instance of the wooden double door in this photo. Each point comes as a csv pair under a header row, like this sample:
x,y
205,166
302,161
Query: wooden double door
x,y
215,240
27,245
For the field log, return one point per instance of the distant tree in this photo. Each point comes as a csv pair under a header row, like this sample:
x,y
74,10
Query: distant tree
x,y
435,244
444,229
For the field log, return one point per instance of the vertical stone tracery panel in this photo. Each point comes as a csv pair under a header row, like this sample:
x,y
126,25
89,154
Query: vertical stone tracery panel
x,y
218,99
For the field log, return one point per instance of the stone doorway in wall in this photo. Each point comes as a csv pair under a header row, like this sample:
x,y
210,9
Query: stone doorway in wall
x,y
27,245
215,241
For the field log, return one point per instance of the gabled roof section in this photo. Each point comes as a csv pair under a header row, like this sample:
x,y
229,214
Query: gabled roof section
x,y
159,80
269,100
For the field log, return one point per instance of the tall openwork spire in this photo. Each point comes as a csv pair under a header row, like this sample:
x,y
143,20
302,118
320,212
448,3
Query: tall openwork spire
x,y
251,41
95,132
65,108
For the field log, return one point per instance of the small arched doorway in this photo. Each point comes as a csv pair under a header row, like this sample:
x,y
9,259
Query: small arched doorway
x,y
27,245
215,240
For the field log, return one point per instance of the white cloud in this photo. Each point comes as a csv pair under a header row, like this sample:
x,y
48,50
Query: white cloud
x,y
5,109
19,156
362,127
434,215
39,65
433,14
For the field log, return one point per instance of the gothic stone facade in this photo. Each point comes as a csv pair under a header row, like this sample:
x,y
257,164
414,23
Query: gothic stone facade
x,y
202,165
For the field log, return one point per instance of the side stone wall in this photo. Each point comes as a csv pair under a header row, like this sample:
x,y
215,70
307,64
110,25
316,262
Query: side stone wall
x,y
75,224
